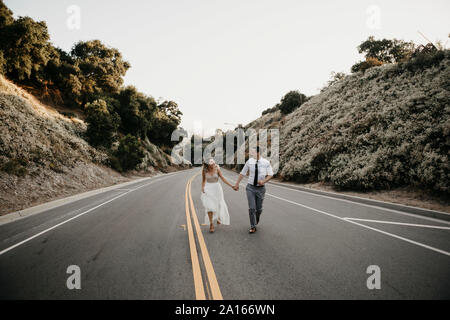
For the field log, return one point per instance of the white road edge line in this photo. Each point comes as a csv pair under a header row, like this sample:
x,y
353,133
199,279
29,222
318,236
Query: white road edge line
x,y
399,223
362,225
77,216
367,227
365,205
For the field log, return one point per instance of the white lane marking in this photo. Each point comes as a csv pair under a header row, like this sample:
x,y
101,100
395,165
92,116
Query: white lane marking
x,y
367,227
362,225
59,224
366,205
77,216
399,223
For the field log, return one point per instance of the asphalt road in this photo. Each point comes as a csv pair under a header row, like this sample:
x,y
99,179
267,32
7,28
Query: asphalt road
x,y
143,242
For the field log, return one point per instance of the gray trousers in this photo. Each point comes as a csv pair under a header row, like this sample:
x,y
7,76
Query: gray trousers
x,y
255,197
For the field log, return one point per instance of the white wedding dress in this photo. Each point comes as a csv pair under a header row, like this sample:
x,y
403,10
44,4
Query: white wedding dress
x,y
213,200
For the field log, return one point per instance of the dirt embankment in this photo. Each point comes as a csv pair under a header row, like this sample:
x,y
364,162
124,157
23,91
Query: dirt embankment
x,y
43,155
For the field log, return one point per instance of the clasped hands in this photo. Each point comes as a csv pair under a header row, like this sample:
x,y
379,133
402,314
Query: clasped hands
x,y
236,186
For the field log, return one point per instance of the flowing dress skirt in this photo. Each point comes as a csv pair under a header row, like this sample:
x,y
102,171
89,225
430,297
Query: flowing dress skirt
x,y
213,201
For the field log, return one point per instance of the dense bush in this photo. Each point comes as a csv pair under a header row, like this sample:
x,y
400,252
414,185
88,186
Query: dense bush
x,y
271,110
129,153
364,65
386,128
166,119
16,167
423,60
102,125
136,111
291,101
378,52
387,50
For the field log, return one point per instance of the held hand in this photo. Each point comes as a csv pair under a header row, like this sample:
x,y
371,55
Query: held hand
x,y
261,182
236,187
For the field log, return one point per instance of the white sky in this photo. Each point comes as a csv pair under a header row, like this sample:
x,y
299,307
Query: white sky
x,y
226,61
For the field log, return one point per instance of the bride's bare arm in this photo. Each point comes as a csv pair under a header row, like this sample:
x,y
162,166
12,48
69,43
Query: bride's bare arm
x,y
203,180
223,178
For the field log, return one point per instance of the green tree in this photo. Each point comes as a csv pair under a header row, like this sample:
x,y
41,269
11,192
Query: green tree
x,y
136,111
291,101
166,119
63,77
100,68
386,50
6,15
26,48
382,51
102,125
129,153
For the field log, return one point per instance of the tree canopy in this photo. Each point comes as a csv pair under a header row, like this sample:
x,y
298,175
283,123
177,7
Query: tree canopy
x,y
378,52
100,69
291,101
26,48
6,15
90,78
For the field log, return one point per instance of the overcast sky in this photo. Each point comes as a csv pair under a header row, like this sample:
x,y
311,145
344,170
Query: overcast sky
x,y
226,61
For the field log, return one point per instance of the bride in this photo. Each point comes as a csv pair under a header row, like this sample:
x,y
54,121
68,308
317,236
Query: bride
x,y
212,195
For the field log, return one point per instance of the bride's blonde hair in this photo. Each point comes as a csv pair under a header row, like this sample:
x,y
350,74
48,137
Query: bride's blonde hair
x,y
207,165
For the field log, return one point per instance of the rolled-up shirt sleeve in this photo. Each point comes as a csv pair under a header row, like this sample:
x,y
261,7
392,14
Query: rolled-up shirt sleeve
x,y
245,169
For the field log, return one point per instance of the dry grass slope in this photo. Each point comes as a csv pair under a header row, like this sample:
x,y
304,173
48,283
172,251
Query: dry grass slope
x,y
42,153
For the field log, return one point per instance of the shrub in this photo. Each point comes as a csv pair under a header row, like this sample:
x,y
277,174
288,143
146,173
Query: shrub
x,y
423,60
376,131
364,65
16,167
129,153
386,50
114,163
291,101
271,110
102,126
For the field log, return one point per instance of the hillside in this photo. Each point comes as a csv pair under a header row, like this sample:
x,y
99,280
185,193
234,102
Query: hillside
x,y
388,127
43,155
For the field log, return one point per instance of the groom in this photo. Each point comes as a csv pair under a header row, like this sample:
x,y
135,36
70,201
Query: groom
x,y
260,172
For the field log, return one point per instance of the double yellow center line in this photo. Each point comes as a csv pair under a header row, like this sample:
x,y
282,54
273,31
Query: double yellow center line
x,y
212,286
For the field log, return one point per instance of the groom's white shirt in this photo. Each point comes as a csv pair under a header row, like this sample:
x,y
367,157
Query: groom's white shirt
x,y
264,169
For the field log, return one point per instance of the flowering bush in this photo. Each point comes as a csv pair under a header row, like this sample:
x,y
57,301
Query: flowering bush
x,y
385,128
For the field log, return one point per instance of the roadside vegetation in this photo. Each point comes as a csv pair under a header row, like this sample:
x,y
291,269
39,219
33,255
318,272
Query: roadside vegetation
x,y
385,125
88,80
